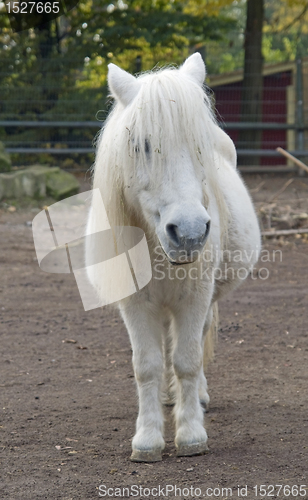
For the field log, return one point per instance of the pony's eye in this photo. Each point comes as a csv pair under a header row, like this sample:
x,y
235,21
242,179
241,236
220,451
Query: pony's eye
x,y
147,148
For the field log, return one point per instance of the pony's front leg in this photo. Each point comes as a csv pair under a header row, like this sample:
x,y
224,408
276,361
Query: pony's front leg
x,y
145,331
191,437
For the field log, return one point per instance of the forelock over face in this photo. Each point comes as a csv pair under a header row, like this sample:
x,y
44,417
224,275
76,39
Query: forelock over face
x,y
160,115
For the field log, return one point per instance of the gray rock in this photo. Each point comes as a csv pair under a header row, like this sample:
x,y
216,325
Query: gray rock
x,y
38,181
61,184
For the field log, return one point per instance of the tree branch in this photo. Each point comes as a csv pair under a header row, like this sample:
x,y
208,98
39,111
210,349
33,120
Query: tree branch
x,y
294,21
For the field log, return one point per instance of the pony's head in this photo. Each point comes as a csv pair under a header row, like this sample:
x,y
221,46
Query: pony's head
x,y
157,149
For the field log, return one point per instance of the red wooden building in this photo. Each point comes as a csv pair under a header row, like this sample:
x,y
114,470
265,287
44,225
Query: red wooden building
x,y
279,104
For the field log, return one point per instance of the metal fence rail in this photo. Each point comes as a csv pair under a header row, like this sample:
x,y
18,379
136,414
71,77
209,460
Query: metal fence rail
x,y
53,151
44,124
96,124
60,151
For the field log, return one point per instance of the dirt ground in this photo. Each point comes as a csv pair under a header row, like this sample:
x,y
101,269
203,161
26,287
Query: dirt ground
x,y
68,396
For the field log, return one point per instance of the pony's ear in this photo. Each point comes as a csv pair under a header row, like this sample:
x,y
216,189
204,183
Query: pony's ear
x,y
195,68
124,87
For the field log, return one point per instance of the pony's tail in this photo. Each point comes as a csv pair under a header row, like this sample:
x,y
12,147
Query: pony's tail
x,y
211,337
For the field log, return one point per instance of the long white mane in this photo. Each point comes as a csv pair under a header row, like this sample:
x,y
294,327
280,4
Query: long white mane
x,y
170,110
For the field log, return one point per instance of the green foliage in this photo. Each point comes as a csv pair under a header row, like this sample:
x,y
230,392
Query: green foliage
x,y
285,34
58,71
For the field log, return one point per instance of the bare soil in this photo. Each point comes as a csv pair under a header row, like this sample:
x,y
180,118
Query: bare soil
x,y
68,396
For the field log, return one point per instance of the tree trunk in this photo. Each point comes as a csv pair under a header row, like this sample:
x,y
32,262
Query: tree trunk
x,y
251,106
46,65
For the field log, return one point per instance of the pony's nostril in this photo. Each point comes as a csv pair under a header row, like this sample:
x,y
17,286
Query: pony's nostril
x,y
172,232
207,230
202,239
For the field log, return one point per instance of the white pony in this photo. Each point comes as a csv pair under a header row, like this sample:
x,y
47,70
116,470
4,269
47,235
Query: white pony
x,y
165,166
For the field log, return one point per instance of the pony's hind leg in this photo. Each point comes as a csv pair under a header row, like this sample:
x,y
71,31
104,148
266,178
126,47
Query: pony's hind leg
x,y
169,382
203,391
145,331
191,437
208,342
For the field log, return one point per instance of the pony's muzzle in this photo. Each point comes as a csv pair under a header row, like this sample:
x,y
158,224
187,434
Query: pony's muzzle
x,y
186,241
178,238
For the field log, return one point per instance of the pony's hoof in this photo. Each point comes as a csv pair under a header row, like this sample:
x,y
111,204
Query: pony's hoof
x,y
146,456
190,450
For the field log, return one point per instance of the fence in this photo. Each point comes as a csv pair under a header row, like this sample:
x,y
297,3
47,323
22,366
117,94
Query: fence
x,y
298,129
285,86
